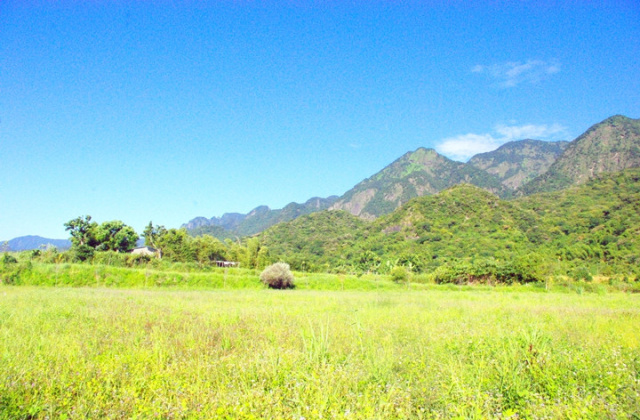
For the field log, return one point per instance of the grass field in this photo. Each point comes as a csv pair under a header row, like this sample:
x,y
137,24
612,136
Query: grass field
x,y
304,354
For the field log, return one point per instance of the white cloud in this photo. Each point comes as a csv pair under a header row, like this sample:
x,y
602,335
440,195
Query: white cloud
x,y
513,73
529,131
464,146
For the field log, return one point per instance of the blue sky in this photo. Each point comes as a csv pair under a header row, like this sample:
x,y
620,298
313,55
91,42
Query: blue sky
x,y
168,110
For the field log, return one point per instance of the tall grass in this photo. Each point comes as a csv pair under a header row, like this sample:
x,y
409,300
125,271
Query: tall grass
x,y
166,353
175,276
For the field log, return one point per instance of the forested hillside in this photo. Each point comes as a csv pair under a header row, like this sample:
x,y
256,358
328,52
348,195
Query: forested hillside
x,y
592,227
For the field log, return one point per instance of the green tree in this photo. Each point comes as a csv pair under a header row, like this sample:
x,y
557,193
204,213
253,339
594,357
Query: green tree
x,y
367,261
176,245
82,230
83,252
115,236
235,251
263,258
153,236
208,249
251,253
8,259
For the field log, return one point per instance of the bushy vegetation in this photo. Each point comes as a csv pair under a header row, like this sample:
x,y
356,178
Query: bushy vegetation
x,y
399,274
278,276
88,236
8,259
486,272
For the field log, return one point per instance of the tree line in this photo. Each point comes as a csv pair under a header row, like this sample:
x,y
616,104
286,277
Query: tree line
x,y
91,240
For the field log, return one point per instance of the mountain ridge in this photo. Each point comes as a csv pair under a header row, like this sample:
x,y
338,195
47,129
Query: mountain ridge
x,y
609,146
423,171
230,225
585,225
29,242
514,169
517,162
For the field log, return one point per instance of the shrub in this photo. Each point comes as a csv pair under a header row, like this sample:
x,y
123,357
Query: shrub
x,y
8,259
277,276
486,272
582,273
112,258
399,274
83,252
137,259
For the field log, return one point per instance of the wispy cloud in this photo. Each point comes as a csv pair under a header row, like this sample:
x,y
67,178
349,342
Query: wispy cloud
x,y
513,73
464,146
531,131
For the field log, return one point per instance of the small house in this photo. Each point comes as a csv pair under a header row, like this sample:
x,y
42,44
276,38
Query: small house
x,y
145,250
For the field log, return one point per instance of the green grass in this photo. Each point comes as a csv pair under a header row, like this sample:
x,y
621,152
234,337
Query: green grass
x,y
170,353
93,275
178,276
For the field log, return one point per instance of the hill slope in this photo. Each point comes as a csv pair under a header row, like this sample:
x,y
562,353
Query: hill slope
x,y
594,226
24,243
415,174
235,224
518,162
610,146
304,242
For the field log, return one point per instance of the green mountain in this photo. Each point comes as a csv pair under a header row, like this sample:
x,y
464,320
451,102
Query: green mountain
x,y
29,242
232,225
598,221
415,174
305,241
462,221
610,146
518,162
213,230
593,227
515,169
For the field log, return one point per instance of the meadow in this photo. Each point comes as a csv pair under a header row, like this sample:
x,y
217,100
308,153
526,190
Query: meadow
x,y
387,352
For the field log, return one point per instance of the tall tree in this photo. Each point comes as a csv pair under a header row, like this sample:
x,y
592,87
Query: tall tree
x,y
82,230
209,249
176,244
116,236
153,236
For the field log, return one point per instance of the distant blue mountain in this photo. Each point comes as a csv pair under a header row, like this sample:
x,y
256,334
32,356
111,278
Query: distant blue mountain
x,y
25,243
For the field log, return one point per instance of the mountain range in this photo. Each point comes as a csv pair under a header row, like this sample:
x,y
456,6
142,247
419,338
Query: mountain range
x,y
232,225
23,243
517,168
